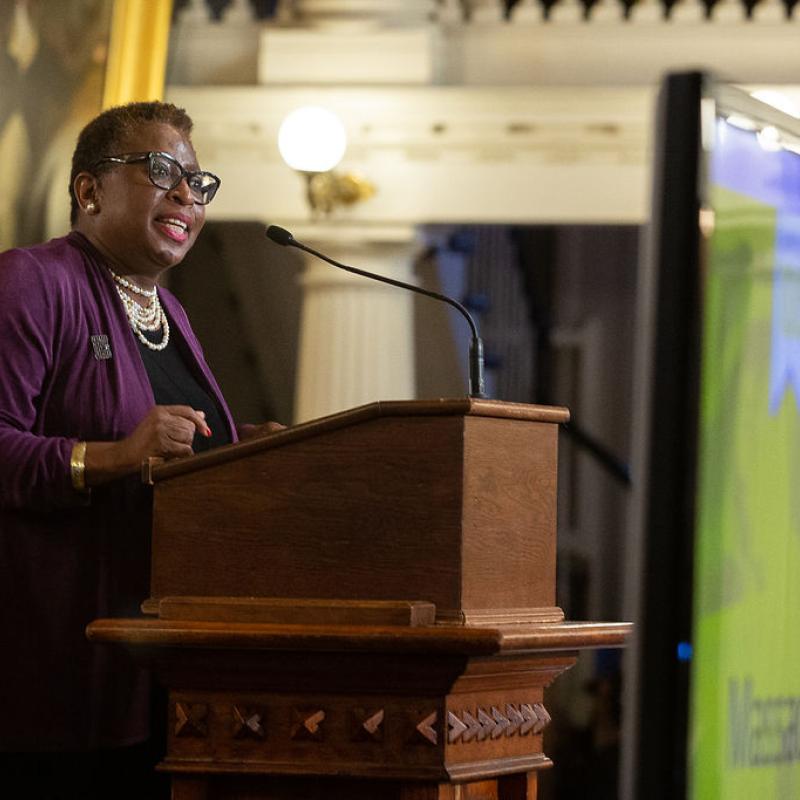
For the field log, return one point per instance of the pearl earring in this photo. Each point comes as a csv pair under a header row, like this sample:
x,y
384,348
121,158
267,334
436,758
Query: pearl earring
x,y
90,208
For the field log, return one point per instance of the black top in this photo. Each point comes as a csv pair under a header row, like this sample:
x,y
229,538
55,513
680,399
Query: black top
x,y
174,384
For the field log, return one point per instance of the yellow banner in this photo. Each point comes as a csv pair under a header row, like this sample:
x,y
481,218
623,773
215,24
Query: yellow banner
x,y
137,56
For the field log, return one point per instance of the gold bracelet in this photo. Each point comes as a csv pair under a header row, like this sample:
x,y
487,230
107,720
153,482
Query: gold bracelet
x,y
77,467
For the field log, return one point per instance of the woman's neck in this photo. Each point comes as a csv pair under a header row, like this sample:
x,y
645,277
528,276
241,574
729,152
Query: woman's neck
x,y
143,279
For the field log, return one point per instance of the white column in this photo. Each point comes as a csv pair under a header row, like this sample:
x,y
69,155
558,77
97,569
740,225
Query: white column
x,y
356,334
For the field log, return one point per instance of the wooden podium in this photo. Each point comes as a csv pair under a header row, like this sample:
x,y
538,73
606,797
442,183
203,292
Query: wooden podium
x,y
361,606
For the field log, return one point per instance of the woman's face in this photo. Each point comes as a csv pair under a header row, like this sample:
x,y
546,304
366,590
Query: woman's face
x,y
142,228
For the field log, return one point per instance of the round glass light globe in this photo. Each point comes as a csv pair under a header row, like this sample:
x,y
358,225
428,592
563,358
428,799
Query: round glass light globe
x,y
312,139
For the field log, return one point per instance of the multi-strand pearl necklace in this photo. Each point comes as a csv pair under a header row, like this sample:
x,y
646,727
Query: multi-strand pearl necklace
x,y
149,317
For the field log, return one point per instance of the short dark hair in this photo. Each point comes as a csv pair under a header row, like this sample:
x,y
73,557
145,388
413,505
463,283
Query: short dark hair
x,y
104,134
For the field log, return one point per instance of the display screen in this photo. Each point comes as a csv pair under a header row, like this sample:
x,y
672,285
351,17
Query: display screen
x,y
744,723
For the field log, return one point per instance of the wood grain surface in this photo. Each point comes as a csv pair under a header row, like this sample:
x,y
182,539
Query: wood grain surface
x,y
257,710
456,509
361,606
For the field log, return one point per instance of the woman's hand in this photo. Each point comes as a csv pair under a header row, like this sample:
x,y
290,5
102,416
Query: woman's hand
x,y
166,432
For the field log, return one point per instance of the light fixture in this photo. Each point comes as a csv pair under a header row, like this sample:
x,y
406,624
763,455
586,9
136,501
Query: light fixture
x,y
742,122
769,137
312,140
779,100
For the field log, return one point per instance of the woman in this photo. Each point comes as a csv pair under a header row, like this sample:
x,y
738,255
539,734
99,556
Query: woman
x,y
99,370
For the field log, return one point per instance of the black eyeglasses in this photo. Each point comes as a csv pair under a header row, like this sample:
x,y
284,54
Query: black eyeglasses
x,y
166,173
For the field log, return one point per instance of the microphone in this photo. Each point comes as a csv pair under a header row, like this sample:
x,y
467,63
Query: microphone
x,y
476,385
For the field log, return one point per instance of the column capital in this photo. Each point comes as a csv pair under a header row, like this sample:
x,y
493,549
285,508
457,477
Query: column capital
x,y
387,251
352,236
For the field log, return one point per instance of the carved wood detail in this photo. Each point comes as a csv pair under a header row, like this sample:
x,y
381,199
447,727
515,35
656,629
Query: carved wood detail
x,y
359,723
191,719
367,725
248,722
307,724
455,727
488,725
517,720
473,727
502,723
424,730
544,718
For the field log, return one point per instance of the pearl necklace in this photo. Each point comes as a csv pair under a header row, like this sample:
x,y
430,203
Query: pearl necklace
x,y
149,317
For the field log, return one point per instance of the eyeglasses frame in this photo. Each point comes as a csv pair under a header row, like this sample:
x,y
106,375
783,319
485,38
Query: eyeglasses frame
x,y
135,158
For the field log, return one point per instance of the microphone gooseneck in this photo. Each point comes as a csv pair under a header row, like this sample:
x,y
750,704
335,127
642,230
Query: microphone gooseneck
x,y
476,383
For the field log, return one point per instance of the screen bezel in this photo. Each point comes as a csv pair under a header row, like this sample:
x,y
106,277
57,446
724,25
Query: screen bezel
x,y
666,426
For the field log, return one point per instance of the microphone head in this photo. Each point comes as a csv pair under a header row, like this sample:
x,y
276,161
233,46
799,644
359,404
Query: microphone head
x,y
279,235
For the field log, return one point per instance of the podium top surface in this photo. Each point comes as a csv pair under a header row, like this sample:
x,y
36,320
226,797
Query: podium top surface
x,y
452,639
465,406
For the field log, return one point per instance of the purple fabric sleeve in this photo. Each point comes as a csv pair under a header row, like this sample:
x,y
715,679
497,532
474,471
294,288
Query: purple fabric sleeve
x,y
34,469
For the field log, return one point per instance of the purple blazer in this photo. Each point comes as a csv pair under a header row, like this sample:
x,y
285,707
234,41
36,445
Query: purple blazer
x,y
65,561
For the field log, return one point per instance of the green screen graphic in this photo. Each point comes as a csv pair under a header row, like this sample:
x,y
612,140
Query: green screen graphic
x,y
745,679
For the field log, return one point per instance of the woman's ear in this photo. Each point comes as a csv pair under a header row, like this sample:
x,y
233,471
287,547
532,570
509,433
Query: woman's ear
x,y
86,187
